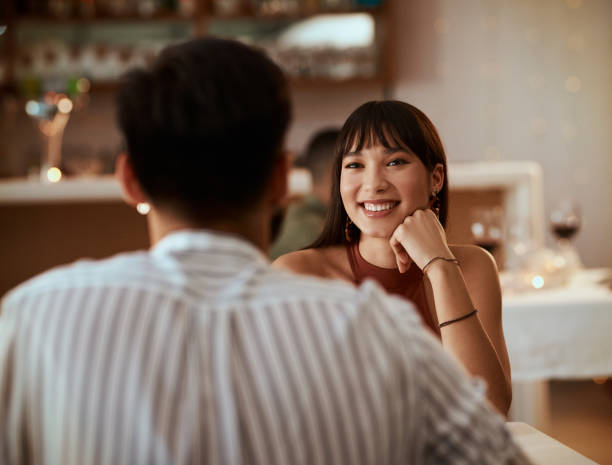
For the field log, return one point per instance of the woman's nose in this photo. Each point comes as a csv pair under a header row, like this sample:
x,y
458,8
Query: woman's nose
x,y
375,181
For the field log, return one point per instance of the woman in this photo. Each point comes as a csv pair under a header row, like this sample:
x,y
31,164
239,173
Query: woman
x,y
388,208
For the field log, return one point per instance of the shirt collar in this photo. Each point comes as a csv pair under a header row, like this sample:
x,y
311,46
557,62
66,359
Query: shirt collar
x,y
201,240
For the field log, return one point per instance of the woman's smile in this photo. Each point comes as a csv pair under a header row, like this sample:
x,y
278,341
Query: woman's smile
x,y
378,208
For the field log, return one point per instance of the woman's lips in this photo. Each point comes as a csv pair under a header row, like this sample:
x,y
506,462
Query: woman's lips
x,y
378,209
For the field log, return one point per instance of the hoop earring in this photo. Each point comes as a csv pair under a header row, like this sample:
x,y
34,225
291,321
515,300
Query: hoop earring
x,y
435,203
347,230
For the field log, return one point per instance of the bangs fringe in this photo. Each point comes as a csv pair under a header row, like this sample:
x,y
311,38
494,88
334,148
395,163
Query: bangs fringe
x,y
369,126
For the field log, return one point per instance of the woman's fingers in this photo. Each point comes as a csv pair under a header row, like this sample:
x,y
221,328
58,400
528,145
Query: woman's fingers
x,y
401,256
419,238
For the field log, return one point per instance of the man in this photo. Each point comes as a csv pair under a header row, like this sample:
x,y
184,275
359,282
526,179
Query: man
x,y
197,351
305,218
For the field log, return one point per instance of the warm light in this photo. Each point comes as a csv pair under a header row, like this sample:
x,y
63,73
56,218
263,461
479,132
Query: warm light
x,y
600,380
537,282
143,208
64,105
335,31
83,85
559,261
54,174
477,229
573,3
572,84
32,108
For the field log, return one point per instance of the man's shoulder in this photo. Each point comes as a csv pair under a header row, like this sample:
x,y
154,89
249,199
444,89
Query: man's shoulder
x,y
83,272
368,297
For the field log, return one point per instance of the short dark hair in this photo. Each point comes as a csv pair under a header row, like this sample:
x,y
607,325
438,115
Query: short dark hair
x,y
391,123
204,125
319,153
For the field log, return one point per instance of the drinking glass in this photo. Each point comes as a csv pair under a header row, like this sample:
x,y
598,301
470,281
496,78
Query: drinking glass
x,y
565,222
51,113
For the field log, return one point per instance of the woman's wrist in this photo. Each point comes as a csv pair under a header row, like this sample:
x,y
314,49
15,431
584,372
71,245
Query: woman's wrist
x,y
439,260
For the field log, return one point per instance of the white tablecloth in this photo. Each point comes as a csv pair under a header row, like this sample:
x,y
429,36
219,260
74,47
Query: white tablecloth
x,y
559,333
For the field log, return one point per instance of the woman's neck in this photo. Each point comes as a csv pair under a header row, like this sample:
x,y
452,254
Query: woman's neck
x,y
377,251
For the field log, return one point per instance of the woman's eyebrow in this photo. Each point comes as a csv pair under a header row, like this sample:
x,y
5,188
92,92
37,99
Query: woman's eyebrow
x,y
392,150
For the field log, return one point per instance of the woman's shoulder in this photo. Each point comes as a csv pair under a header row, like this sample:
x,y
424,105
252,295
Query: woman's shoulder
x,y
323,262
474,259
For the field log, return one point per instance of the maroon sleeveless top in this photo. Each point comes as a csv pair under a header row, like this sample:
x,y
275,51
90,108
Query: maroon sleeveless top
x,y
408,285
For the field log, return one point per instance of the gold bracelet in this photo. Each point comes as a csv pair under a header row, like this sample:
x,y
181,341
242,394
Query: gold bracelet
x,y
453,260
450,322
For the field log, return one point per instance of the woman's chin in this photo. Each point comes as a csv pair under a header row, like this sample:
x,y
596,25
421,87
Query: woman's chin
x,y
377,234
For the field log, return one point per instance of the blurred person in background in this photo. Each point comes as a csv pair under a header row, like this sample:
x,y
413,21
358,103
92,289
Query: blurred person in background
x,y
305,218
386,222
197,350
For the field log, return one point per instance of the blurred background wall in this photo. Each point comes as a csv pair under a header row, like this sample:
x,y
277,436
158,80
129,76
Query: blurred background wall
x,y
501,79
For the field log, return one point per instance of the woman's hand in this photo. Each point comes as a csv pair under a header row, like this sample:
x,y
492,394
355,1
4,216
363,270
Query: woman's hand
x,y
420,237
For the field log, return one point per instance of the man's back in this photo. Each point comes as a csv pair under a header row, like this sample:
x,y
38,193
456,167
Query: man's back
x,y
199,352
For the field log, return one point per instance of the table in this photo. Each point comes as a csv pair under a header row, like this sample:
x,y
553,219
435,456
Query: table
x,y
544,450
563,333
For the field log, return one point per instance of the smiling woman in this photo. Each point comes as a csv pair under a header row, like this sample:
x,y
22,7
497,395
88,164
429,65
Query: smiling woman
x,y
386,222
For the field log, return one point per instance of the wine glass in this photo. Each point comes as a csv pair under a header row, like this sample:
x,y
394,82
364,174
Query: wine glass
x,y
565,222
487,227
51,113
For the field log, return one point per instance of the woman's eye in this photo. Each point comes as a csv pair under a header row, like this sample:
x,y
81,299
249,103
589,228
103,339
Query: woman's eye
x,y
397,161
352,165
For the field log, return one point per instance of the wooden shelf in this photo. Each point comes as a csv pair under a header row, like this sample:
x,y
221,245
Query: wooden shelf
x,y
294,82
250,16
38,20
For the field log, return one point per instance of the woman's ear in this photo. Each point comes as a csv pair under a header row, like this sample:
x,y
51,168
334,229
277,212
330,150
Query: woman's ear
x,y
124,172
437,177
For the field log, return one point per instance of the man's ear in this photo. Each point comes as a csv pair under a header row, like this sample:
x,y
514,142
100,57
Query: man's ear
x,y
124,172
279,181
437,177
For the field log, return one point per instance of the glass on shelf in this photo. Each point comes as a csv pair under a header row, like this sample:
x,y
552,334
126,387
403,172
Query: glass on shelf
x,y
51,113
51,110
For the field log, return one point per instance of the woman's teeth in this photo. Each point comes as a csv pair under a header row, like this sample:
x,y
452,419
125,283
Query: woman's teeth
x,y
376,207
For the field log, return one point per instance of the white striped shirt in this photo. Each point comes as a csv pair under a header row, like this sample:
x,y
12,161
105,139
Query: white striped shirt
x,y
198,352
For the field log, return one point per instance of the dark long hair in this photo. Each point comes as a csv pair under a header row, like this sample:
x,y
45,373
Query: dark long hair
x,y
390,123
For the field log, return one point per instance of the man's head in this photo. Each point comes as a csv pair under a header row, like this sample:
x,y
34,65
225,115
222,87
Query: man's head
x,y
318,159
204,127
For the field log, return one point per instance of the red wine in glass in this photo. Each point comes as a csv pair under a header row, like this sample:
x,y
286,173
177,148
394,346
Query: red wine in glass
x,y
565,221
565,231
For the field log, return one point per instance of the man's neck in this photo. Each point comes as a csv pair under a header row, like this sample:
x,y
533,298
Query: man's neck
x,y
252,228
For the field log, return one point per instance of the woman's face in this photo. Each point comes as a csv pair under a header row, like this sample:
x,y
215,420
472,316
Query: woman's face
x,y
380,187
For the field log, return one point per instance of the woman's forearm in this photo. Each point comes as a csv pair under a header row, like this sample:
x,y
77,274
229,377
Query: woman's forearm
x,y
467,338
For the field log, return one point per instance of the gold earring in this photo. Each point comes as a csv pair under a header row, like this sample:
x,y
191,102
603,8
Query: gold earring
x,y
347,230
143,208
435,203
